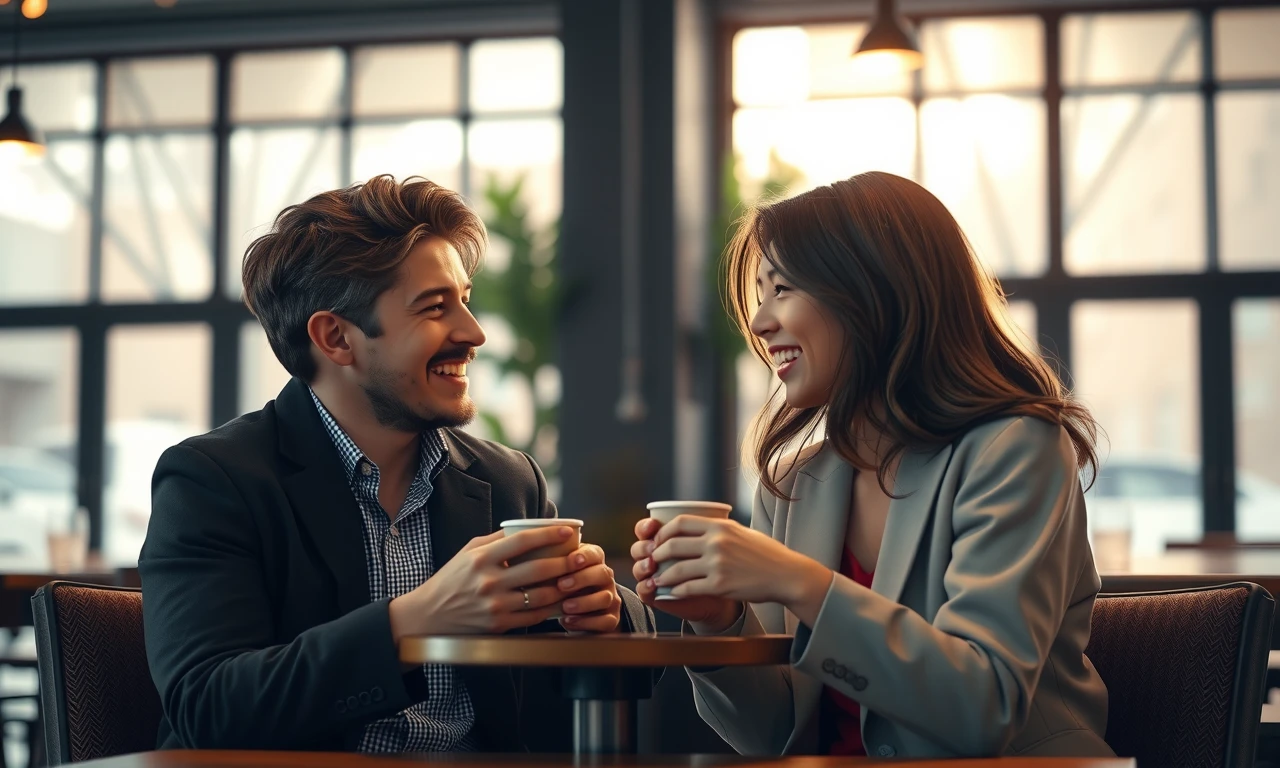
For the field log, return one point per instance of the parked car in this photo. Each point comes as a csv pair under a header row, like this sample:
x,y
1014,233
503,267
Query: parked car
x,y
45,480
34,485
1163,499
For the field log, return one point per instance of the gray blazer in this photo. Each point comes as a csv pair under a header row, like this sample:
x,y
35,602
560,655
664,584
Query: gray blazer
x,y
970,641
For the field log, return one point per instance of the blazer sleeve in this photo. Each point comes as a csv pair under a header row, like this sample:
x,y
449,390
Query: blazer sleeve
x,y
223,681
966,680
752,708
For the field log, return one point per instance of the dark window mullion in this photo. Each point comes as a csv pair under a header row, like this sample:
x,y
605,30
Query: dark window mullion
x,y
92,415
1053,312
346,161
1217,373
464,114
225,362
92,396
1217,413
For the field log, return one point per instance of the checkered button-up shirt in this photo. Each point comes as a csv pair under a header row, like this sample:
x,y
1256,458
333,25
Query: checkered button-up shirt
x,y
398,556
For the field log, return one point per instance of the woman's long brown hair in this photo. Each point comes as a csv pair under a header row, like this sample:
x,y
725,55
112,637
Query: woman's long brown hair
x,y
930,351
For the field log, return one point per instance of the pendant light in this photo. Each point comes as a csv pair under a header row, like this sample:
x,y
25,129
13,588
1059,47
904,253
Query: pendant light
x,y
16,134
889,47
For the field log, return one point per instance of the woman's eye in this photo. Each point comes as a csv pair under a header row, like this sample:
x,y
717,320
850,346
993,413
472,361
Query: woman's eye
x,y
778,289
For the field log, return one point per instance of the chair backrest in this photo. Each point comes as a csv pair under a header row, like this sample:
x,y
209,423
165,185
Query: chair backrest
x,y
95,685
1185,671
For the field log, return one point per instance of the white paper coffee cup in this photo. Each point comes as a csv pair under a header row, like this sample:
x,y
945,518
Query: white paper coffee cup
x,y
562,549
666,511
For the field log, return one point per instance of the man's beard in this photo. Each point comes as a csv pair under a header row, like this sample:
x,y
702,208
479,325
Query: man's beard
x,y
394,413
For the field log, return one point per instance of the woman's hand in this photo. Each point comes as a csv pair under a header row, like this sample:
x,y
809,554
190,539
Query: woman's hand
x,y
708,615
724,559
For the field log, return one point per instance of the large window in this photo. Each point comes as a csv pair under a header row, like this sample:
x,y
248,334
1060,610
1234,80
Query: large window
x,y
1120,173
121,323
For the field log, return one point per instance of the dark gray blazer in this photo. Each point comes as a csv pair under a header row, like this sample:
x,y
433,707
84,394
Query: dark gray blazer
x,y
970,641
259,629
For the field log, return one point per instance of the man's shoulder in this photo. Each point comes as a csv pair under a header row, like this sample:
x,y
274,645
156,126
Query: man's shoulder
x,y
248,440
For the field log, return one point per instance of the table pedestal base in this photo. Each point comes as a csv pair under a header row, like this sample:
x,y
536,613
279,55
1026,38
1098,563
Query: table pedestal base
x,y
604,707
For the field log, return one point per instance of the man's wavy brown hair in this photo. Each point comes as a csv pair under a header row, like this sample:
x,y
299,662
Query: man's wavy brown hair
x,y
341,250
931,352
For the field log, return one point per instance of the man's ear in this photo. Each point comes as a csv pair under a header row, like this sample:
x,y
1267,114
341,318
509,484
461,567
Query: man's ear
x,y
331,335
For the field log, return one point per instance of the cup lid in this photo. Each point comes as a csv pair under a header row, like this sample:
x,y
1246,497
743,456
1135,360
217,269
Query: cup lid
x,y
540,522
678,504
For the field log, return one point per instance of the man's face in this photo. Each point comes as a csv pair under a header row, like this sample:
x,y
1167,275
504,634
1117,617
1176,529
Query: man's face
x,y
415,372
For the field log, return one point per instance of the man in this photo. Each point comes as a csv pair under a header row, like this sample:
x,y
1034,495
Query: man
x,y
290,550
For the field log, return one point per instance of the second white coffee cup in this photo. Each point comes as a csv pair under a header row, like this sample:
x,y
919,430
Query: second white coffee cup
x,y
666,511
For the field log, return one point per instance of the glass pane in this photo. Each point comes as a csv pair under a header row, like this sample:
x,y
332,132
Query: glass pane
x,y
1134,174
157,396
406,79
1115,48
771,66
1244,42
44,226
286,85
272,169
983,54
820,142
1025,320
1249,179
503,151
261,375
428,148
157,209
60,97
38,375
151,92
1257,379
1136,366
511,75
984,157
779,66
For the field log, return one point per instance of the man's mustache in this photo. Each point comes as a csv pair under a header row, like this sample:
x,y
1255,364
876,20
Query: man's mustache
x,y
455,355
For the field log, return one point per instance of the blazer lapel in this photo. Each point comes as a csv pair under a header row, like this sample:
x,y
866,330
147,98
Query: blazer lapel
x,y
320,496
816,527
916,486
461,508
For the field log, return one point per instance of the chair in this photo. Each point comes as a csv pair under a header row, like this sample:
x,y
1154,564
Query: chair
x,y
98,698
1185,671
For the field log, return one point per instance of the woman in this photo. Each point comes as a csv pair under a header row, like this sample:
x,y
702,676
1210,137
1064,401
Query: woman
x,y
930,554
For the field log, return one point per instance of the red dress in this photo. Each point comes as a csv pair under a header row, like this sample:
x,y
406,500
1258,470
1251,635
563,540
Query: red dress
x,y
840,730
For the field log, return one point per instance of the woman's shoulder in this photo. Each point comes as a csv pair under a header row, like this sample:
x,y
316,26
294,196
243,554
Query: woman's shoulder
x,y
810,459
1017,437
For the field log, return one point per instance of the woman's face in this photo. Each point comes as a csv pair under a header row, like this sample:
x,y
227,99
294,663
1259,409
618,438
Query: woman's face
x,y
803,339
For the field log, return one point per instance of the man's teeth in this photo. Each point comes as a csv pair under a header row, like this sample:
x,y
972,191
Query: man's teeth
x,y
453,369
784,356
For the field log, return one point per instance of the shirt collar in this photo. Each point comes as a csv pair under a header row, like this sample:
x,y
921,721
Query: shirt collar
x,y
433,455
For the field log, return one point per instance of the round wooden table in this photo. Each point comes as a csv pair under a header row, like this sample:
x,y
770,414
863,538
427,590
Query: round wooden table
x,y
604,674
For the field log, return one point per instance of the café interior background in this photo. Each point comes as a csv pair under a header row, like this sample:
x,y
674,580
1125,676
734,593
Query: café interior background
x,y
1116,165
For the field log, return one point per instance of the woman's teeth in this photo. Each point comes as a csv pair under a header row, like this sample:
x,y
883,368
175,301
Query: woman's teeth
x,y
784,356
452,369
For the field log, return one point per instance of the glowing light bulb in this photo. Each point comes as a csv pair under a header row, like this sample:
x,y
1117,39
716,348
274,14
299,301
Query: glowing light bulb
x,y
34,9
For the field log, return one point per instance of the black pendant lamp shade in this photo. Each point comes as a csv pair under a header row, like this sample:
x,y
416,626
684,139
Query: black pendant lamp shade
x,y
889,45
16,131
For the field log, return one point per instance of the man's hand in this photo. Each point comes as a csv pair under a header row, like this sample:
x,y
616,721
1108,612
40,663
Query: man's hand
x,y
476,593
592,603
